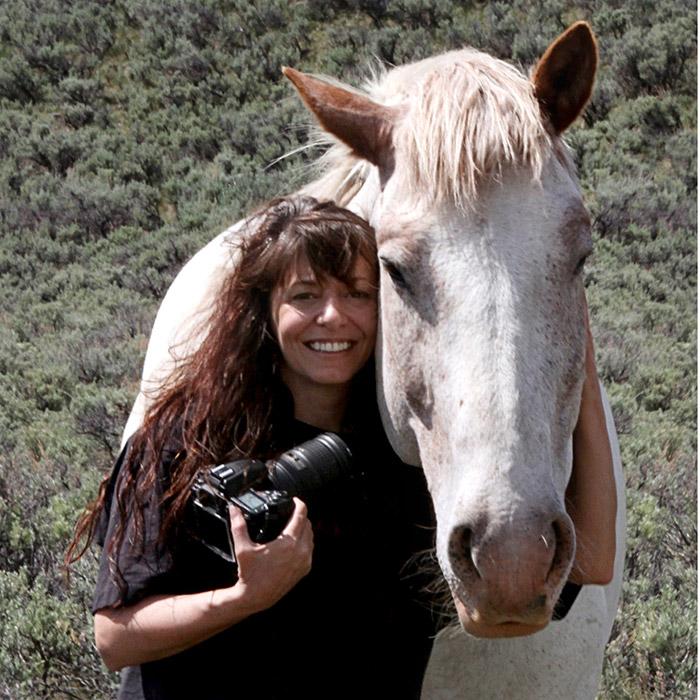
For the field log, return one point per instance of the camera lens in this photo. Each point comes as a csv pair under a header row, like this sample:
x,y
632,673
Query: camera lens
x,y
309,466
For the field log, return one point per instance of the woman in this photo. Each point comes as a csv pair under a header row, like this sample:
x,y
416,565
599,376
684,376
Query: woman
x,y
286,357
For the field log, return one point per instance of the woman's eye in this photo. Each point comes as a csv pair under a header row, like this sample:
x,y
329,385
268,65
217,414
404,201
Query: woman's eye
x,y
360,294
394,272
302,296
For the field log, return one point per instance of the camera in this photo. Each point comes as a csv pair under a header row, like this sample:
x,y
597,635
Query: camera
x,y
302,471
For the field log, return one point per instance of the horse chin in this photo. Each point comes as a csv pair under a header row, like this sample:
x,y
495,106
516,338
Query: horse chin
x,y
491,627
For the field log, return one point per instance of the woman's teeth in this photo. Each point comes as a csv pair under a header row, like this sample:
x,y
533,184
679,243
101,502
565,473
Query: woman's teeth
x,y
330,347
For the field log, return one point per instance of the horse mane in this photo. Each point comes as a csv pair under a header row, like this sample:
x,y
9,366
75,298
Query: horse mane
x,y
465,115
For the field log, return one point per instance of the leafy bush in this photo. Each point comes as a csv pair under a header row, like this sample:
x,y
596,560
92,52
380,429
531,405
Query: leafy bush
x,y
133,131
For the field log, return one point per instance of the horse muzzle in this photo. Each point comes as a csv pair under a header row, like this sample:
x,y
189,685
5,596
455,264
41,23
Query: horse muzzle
x,y
506,577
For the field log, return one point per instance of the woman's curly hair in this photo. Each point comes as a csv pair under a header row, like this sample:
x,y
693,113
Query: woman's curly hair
x,y
226,400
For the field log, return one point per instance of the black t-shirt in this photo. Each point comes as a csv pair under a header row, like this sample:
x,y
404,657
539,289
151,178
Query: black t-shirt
x,y
357,624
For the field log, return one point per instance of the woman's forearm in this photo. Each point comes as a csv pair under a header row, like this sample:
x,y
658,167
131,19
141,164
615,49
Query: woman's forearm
x,y
591,496
163,625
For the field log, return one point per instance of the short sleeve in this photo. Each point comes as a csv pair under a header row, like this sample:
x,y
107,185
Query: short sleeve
x,y
139,568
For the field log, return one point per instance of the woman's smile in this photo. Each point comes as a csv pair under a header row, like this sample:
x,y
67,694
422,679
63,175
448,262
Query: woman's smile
x,y
329,346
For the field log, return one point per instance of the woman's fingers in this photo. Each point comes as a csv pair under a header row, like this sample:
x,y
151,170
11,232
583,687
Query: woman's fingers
x,y
298,528
239,529
299,521
298,535
268,571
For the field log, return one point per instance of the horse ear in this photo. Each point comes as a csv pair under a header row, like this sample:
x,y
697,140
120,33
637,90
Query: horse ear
x,y
564,75
356,120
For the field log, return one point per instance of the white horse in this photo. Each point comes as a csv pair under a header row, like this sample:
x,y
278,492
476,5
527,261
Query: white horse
x,y
458,163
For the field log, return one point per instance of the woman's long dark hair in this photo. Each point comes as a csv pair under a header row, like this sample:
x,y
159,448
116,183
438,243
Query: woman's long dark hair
x,y
226,400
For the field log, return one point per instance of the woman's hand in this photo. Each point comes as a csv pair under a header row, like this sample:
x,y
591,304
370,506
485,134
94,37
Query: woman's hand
x,y
266,572
163,625
591,498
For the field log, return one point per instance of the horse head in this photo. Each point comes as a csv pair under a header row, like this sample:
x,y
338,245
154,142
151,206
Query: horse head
x,y
482,233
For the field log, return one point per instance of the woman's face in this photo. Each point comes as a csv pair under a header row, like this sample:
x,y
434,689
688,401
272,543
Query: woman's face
x,y
325,328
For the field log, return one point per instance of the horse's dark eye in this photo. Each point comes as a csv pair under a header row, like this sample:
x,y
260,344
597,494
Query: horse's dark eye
x,y
580,264
394,272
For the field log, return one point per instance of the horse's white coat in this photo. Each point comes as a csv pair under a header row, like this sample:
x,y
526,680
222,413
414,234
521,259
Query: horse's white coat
x,y
491,411
562,661
184,308
491,405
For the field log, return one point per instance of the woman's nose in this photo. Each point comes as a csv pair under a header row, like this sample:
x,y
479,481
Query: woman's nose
x,y
331,311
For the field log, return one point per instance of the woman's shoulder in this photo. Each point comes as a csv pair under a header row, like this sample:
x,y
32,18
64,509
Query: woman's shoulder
x,y
126,466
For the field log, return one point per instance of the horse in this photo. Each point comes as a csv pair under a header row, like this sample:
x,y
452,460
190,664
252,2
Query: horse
x,y
458,163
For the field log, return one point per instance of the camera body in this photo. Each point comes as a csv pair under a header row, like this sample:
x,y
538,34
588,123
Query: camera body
x,y
266,511
302,471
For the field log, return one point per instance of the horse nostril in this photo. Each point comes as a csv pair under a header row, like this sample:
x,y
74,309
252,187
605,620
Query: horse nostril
x,y
563,546
461,552
466,539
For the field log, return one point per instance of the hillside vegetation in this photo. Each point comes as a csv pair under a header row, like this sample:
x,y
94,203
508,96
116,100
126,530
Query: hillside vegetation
x,y
132,131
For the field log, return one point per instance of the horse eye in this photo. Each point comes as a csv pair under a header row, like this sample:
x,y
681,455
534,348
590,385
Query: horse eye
x,y
581,263
394,272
